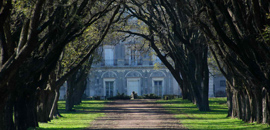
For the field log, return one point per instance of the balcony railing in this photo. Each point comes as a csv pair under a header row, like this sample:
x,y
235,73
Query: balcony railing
x,y
109,62
125,62
129,62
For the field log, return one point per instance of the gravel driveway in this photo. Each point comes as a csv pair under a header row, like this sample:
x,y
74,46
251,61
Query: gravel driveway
x,y
135,115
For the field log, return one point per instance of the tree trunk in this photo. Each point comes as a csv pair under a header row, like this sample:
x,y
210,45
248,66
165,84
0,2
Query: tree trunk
x,y
78,93
76,86
205,78
243,104
25,111
6,115
238,104
54,105
45,102
229,99
198,78
258,99
9,114
81,85
57,113
265,107
253,107
185,93
248,110
41,110
69,93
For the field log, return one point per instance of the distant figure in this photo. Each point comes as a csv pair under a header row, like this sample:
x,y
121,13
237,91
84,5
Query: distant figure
x,y
132,95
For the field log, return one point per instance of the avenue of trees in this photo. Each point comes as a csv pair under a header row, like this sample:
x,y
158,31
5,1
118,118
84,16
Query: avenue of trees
x,y
45,43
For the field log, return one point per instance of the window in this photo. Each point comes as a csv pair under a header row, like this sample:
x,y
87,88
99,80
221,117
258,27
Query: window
x,y
108,55
158,88
133,56
127,55
109,88
222,83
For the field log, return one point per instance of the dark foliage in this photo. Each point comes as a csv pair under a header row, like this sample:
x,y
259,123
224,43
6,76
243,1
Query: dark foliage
x,y
119,97
151,96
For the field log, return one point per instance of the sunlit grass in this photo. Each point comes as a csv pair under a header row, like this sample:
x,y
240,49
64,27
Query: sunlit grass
x,y
80,119
189,115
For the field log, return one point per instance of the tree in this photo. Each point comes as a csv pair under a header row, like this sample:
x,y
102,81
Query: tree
x,y
39,36
76,85
171,35
235,33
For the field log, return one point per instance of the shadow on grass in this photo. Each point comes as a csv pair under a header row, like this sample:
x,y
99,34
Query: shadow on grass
x,y
90,107
63,102
215,119
58,129
163,129
80,109
85,107
180,106
137,129
104,129
94,102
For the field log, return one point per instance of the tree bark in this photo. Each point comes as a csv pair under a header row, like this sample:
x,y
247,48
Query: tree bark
x,y
229,99
258,102
25,111
69,93
265,107
79,91
6,115
44,105
54,105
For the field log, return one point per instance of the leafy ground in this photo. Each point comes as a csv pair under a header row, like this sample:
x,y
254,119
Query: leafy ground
x,y
77,120
216,119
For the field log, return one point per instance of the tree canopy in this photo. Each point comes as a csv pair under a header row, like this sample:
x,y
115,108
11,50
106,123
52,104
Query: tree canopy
x,y
43,43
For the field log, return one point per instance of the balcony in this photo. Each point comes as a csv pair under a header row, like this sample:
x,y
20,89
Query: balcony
x,y
129,62
124,63
108,62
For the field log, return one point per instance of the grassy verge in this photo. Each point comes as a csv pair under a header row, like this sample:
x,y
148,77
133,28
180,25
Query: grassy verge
x,y
80,119
216,119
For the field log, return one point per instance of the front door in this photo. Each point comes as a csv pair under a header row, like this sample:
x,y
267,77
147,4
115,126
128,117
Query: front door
x,y
158,88
133,85
109,88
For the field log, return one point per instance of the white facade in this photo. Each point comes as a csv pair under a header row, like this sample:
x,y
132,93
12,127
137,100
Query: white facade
x,y
125,69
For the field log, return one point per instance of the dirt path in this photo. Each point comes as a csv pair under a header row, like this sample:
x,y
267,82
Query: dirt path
x,y
136,115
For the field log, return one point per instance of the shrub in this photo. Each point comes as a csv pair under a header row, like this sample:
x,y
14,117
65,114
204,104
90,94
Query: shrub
x,y
169,97
220,94
97,98
119,97
151,96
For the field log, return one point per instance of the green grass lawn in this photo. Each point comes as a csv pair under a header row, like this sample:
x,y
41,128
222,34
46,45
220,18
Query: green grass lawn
x,y
80,119
215,119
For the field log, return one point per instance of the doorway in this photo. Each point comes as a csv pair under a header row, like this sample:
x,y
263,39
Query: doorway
x,y
133,85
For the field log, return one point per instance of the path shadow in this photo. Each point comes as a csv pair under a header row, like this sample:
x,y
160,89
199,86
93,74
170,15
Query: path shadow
x,y
135,115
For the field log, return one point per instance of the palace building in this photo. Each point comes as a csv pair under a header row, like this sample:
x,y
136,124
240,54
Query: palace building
x,y
125,68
